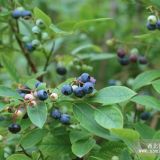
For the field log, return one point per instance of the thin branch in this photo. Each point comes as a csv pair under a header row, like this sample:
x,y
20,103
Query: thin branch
x,y
24,151
48,57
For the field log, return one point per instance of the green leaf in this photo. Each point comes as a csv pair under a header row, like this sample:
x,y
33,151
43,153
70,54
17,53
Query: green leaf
x,y
39,14
145,78
18,157
10,67
85,115
38,114
82,147
32,138
109,117
143,129
147,101
112,95
129,136
8,92
156,85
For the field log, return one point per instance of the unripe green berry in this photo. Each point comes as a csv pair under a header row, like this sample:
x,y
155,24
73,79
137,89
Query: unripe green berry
x,y
1,138
35,43
25,39
115,158
45,36
40,23
36,30
152,19
134,51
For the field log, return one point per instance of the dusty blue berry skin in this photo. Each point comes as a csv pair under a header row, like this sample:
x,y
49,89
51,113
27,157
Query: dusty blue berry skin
x,y
16,14
67,90
158,24
145,116
42,95
112,82
79,92
26,13
142,60
151,27
124,61
85,77
38,83
88,87
29,47
56,114
65,119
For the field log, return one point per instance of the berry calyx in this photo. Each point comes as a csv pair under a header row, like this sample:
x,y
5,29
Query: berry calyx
x,y
42,95
40,23
54,96
14,128
67,90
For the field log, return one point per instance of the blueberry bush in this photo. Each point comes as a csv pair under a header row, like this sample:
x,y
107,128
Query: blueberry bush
x,y
79,80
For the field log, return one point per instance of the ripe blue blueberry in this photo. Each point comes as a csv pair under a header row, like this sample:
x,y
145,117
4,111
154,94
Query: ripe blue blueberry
x,y
145,116
124,61
65,119
26,14
14,128
79,92
42,95
29,47
16,13
38,83
85,77
67,90
151,27
142,60
56,114
61,70
88,87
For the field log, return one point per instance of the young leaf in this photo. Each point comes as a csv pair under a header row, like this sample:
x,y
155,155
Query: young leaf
x,y
147,101
85,115
112,95
145,78
18,157
38,114
82,147
109,117
8,92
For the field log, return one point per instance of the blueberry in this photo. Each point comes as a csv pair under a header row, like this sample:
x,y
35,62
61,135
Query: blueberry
x,y
65,119
16,14
124,61
152,19
79,92
67,90
14,128
151,27
42,95
40,23
112,82
121,53
85,77
38,83
26,14
133,58
142,60
29,47
88,87
56,114
158,24
145,116
61,70
36,30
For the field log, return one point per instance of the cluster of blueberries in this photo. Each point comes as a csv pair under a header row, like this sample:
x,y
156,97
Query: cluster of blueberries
x,y
82,86
62,117
30,97
19,12
153,23
124,59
